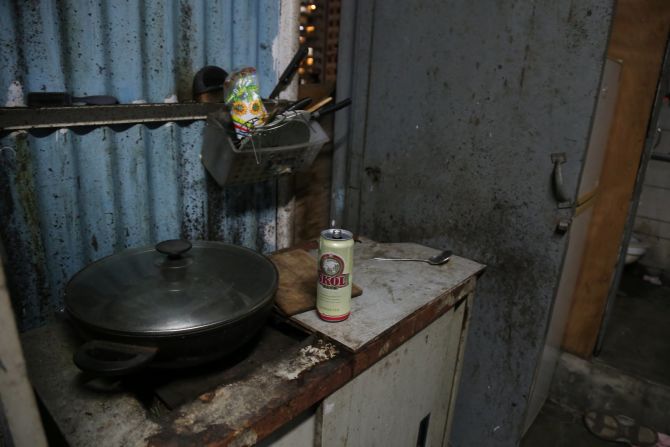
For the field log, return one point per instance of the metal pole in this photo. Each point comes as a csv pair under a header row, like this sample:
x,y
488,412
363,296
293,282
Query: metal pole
x,y
345,56
287,46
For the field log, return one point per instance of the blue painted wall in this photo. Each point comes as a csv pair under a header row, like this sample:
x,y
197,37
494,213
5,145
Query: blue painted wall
x,y
68,197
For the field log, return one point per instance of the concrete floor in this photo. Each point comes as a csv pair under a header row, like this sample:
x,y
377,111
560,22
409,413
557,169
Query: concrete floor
x,y
637,340
637,343
556,426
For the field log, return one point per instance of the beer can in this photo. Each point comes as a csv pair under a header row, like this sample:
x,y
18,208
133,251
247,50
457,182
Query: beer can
x,y
335,264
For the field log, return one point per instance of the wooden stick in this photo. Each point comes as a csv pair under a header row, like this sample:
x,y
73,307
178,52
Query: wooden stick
x,y
16,393
320,104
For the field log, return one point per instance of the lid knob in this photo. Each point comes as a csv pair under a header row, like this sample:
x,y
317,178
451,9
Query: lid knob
x,y
173,248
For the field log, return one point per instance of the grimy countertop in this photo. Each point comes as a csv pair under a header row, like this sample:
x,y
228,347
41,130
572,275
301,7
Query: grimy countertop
x,y
281,377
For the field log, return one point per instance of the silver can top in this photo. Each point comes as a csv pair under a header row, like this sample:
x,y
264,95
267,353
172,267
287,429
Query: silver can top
x,y
336,234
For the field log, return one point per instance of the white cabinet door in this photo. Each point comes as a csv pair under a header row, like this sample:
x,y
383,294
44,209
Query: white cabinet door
x,y
297,433
404,394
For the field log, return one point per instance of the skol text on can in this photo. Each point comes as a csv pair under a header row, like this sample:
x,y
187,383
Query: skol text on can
x,y
336,262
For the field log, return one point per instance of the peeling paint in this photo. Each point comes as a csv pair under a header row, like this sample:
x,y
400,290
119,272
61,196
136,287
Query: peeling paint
x,y
248,438
384,349
172,99
328,407
308,357
20,208
15,95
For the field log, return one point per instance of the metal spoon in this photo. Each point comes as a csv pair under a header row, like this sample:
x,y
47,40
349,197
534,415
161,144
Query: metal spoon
x,y
438,259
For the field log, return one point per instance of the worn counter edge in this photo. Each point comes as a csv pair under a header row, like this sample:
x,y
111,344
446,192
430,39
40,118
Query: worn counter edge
x,y
299,395
420,319
315,384
351,365
324,379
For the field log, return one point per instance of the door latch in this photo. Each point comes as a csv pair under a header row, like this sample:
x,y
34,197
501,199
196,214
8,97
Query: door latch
x,y
561,196
563,225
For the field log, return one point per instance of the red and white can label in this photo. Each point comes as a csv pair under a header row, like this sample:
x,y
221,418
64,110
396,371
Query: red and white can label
x,y
331,272
333,296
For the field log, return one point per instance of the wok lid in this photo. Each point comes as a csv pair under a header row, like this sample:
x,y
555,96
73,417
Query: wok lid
x,y
174,288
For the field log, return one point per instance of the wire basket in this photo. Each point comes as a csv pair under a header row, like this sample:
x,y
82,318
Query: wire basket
x,y
290,144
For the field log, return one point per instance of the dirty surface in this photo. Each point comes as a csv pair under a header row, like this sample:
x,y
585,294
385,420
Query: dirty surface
x,y
584,385
557,426
465,103
175,388
248,405
392,290
104,412
307,358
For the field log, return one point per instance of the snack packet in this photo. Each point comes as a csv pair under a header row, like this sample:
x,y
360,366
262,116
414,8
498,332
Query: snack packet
x,y
244,101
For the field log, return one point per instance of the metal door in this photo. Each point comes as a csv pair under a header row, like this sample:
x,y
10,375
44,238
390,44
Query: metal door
x,y
577,237
458,108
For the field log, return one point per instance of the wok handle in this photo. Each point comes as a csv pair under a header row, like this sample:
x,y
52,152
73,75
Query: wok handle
x,y
111,359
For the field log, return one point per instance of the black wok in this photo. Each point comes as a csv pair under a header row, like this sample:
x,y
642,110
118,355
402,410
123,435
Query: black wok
x,y
173,306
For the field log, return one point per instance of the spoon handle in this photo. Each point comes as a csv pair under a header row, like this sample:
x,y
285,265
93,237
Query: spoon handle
x,y
398,259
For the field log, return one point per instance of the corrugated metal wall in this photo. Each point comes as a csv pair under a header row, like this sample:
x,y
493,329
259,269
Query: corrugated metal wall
x,y
69,197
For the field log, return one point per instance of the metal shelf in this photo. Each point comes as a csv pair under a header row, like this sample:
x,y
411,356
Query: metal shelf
x,y
24,118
